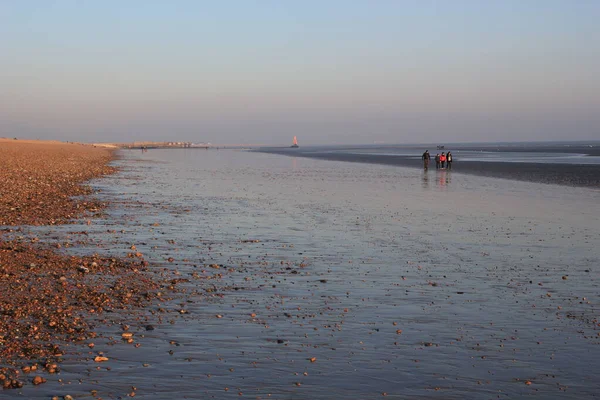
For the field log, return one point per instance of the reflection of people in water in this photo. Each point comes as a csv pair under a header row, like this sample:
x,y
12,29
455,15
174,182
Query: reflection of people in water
x,y
426,158
444,178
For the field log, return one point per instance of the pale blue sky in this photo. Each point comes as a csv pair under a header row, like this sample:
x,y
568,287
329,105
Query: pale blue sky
x,y
326,71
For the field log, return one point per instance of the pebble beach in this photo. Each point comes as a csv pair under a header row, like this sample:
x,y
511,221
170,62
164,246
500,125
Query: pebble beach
x,y
45,295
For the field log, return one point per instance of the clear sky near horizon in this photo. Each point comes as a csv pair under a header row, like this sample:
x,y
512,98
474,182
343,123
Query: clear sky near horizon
x,y
327,71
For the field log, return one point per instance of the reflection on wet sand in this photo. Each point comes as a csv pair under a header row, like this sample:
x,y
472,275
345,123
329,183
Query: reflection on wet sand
x,y
443,178
425,177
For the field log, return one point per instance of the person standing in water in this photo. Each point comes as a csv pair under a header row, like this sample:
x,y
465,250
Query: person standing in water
x,y
449,160
426,158
443,160
437,161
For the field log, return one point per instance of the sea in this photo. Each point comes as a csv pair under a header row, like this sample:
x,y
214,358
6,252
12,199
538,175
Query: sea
x,y
346,280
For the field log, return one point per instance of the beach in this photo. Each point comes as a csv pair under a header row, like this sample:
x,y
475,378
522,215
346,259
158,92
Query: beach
x,y
47,296
300,200
40,179
261,276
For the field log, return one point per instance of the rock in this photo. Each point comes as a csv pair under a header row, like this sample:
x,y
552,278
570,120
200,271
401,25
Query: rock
x,y
38,380
149,328
51,368
12,384
83,269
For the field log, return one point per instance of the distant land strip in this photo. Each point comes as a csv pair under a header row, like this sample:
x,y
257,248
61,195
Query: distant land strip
x,y
175,145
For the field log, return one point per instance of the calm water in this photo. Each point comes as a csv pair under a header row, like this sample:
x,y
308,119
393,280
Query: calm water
x,y
398,282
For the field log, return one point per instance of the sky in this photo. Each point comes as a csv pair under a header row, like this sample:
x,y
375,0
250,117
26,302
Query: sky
x,y
329,72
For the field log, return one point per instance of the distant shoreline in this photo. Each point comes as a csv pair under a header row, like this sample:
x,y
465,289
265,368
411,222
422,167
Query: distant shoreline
x,y
578,175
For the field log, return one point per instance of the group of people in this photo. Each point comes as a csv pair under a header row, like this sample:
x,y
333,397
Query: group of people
x,y
442,161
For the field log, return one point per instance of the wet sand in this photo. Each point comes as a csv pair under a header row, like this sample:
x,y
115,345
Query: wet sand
x,y
304,279
560,174
333,280
45,296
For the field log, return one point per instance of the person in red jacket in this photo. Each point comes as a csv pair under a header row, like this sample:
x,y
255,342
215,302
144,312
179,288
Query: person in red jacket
x,y
442,160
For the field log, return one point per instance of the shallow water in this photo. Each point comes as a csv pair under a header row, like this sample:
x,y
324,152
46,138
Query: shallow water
x,y
398,282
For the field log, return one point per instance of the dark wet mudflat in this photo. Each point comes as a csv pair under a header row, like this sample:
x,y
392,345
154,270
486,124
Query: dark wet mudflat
x,y
292,278
570,165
